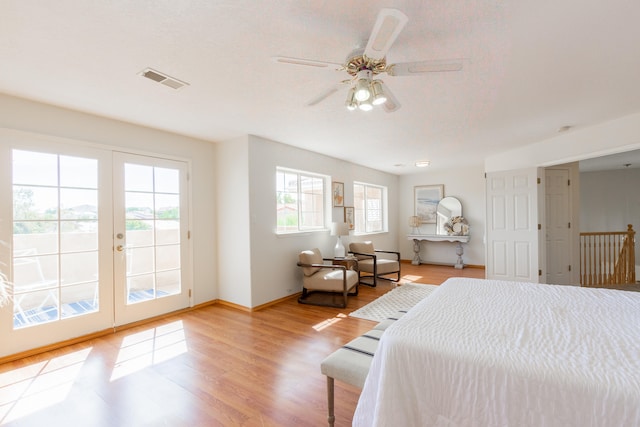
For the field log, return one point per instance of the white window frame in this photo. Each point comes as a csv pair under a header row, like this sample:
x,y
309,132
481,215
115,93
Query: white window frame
x,y
360,212
325,202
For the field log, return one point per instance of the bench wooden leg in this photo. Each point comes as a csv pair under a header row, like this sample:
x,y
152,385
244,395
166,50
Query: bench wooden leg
x,y
330,387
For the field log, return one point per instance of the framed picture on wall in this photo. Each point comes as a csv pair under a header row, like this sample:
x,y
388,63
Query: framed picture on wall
x,y
349,217
337,192
426,198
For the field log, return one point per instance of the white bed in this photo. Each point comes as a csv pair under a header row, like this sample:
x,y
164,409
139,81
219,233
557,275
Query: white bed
x,y
494,353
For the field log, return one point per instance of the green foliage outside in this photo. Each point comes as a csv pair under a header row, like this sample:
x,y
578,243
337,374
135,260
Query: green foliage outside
x,y
137,224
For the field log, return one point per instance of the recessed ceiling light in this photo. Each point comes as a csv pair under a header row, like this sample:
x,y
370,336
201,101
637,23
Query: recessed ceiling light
x,y
423,163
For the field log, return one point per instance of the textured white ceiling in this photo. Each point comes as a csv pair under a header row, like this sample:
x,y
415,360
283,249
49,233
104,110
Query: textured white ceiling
x,y
530,68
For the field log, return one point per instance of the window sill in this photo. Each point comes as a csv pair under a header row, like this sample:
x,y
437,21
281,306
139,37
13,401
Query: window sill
x,y
371,233
300,233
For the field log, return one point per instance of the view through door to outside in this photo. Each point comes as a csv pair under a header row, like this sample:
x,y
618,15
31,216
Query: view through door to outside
x,y
152,250
150,236
55,237
60,239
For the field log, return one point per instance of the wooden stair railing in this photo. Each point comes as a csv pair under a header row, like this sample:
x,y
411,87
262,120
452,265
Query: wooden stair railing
x,y
607,258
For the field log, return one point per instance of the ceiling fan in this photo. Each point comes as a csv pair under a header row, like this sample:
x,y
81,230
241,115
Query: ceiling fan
x,y
365,64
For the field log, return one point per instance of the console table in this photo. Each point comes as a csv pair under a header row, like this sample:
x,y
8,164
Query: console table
x,y
417,238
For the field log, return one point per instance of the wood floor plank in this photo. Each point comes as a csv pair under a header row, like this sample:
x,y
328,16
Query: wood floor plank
x,y
214,366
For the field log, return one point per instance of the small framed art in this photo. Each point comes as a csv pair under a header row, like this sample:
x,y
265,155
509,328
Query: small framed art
x,y
349,217
337,191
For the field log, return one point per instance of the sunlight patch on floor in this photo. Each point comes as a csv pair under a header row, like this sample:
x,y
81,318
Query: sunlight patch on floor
x,y
150,347
326,323
27,390
409,278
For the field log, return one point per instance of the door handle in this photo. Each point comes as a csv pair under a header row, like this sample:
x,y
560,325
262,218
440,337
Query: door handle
x,y
119,248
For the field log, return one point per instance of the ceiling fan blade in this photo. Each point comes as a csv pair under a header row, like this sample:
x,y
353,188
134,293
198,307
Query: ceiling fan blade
x,y
385,31
420,67
392,103
324,95
306,62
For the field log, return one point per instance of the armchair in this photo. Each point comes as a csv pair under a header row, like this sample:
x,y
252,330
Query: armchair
x,y
330,279
377,263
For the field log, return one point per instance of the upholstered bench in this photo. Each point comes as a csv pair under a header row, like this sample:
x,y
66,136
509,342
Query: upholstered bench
x,y
351,362
389,320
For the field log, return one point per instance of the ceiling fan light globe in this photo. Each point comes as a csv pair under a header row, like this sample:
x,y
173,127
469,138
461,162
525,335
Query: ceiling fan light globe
x,y
365,106
379,97
362,95
363,91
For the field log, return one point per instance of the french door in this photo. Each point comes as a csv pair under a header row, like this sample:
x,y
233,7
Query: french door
x,y
92,239
150,236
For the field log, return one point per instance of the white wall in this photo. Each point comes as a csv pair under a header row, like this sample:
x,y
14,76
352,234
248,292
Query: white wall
x,y
615,136
274,273
609,200
81,128
466,184
232,194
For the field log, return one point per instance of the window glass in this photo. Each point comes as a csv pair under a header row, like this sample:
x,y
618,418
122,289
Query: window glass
x,y
300,201
369,207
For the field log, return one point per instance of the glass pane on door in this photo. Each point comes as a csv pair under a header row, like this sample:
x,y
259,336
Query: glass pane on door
x,y
55,237
152,221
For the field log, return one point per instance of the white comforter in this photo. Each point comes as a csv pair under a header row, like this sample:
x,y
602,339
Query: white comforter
x,y
494,353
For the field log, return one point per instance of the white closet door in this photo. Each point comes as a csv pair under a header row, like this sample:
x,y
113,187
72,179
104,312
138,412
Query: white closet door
x,y
512,225
558,231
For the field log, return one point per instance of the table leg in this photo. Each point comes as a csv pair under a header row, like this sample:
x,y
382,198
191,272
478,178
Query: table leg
x,y
459,252
416,252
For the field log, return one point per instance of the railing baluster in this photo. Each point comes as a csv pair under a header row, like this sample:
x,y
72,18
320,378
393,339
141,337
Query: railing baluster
x,y
607,258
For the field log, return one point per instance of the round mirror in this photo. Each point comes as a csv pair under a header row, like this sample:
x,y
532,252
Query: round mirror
x,y
447,208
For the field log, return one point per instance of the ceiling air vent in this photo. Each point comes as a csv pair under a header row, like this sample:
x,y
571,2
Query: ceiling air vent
x,y
162,78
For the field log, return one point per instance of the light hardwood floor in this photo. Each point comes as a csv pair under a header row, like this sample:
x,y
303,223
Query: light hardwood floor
x,y
214,366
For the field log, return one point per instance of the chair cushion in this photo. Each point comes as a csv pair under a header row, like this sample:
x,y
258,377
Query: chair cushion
x,y
363,248
329,280
384,266
310,257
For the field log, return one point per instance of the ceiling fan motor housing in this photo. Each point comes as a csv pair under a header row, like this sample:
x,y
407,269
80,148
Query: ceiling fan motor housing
x,y
357,61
